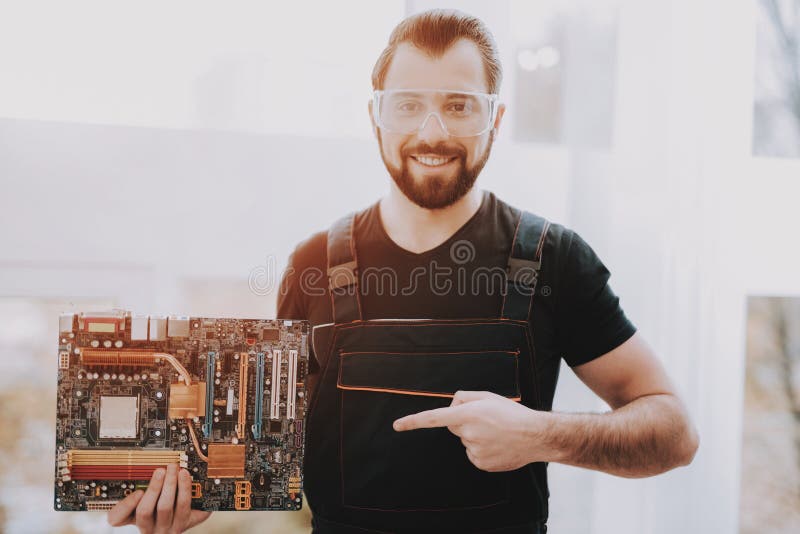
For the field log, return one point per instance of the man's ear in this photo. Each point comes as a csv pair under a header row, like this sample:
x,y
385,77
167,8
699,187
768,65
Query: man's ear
x,y
501,109
372,119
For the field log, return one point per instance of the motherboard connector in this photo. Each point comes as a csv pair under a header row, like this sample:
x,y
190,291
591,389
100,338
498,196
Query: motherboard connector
x,y
291,385
242,502
275,396
100,506
241,425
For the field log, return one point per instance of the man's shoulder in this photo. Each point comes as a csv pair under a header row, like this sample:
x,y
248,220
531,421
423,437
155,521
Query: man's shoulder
x,y
313,251
559,236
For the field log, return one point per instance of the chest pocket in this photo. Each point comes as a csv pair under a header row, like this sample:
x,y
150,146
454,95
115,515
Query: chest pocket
x,y
423,469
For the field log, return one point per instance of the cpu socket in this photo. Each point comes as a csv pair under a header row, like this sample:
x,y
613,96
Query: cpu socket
x,y
119,417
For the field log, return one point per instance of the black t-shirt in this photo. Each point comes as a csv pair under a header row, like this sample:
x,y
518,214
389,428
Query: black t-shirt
x,y
576,316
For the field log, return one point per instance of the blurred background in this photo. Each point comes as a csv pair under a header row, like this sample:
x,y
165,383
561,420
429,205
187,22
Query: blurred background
x,y
167,157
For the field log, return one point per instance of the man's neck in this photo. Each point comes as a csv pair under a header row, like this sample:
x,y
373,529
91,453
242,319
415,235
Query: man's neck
x,y
418,229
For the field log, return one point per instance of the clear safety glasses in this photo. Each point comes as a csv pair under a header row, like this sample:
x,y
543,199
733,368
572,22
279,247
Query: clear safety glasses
x,y
460,113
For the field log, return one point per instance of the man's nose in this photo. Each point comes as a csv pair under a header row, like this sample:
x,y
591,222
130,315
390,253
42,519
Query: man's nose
x,y
432,129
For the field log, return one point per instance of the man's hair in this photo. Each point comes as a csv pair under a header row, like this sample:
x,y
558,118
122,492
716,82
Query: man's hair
x,y
434,32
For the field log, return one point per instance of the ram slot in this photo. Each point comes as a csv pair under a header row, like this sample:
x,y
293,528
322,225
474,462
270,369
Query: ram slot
x,y
291,384
241,425
119,464
259,400
210,366
275,398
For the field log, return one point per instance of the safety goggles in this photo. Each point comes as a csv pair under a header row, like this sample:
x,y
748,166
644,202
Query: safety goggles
x,y
460,113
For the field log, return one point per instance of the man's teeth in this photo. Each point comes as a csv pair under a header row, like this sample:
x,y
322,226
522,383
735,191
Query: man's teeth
x,y
431,161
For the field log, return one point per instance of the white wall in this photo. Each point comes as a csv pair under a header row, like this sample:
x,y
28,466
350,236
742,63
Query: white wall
x,y
698,224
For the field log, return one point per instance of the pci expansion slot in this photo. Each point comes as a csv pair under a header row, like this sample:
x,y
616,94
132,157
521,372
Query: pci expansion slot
x,y
259,400
210,361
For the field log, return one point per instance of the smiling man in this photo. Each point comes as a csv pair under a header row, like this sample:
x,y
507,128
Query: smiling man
x,y
431,136
441,314
440,327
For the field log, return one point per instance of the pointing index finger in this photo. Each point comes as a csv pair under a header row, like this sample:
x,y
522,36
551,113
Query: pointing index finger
x,y
438,417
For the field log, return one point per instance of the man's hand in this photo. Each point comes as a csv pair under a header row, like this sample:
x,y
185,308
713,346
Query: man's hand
x,y
498,433
165,508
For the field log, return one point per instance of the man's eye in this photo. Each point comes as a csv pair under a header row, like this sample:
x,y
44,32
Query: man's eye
x,y
407,106
458,107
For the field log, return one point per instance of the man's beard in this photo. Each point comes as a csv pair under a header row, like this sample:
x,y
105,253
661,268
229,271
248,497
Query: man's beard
x,y
436,192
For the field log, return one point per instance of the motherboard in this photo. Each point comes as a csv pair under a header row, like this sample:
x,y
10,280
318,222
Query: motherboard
x,y
223,398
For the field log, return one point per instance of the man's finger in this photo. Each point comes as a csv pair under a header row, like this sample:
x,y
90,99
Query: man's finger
x,y
472,457
455,429
462,396
146,507
122,513
450,415
183,506
166,503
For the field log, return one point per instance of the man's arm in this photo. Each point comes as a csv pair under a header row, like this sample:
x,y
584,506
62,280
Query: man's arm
x,y
648,430
647,433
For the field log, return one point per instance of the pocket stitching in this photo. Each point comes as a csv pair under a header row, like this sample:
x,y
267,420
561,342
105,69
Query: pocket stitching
x,y
400,391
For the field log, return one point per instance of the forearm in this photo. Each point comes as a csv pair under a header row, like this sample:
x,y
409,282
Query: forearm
x,y
647,436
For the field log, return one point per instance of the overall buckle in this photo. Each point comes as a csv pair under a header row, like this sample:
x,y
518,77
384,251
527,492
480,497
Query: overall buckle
x,y
343,275
523,272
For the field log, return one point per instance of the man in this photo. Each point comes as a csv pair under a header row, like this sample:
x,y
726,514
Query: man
x,y
440,325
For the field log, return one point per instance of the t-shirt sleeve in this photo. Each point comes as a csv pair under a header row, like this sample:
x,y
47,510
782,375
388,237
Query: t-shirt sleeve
x,y
590,318
290,303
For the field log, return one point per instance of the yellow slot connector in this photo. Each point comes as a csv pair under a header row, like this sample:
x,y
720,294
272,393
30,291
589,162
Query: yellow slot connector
x,y
242,502
122,457
241,425
242,496
243,487
197,490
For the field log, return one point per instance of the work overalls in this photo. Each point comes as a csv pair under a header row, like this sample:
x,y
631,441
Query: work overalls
x,y
357,469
